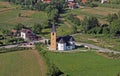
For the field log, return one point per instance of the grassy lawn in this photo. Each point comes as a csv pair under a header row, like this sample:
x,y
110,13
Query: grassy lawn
x,y
99,40
85,64
20,63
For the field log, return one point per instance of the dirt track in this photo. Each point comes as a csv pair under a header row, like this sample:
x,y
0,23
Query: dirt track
x,y
41,63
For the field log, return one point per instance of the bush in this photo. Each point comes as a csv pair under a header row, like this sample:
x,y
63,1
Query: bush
x,y
5,50
52,69
73,19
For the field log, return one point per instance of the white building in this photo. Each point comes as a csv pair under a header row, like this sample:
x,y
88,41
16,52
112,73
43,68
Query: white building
x,y
103,1
61,43
27,34
65,43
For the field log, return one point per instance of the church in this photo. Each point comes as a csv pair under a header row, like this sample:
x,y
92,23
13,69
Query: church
x,y
61,43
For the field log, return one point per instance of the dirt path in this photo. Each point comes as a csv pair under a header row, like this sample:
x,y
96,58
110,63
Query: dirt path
x,y
41,63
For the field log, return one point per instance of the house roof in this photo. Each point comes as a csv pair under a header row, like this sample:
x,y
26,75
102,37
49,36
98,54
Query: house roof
x,y
65,39
61,41
46,1
26,30
14,31
71,4
70,0
84,1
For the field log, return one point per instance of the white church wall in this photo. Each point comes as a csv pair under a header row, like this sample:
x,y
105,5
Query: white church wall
x,y
61,46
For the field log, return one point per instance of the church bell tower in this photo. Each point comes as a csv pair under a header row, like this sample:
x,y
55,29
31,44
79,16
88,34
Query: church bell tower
x,y
53,45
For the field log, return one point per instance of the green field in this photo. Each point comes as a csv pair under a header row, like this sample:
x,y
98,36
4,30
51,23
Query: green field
x,y
99,12
9,16
85,64
20,63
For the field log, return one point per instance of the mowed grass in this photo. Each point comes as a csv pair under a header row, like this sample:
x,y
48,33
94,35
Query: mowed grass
x,y
85,64
21,63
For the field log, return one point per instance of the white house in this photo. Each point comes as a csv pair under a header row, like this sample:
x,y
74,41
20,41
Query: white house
x,y
27,34
103,1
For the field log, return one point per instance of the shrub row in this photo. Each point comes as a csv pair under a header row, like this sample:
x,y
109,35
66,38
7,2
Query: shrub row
x,y
53,70
5,50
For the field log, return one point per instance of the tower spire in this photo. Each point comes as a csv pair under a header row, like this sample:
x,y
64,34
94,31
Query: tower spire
x,y
53,28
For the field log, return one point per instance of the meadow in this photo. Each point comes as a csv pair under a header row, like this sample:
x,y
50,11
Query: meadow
x,y
101,40
85,64
20,63
99,12
9,16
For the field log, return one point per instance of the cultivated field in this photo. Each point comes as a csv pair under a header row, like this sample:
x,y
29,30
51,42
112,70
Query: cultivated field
x,y
99,12
11,15
20,63
85,64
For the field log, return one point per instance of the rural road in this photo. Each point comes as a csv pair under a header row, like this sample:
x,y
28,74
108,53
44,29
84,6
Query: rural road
x,y
96,47
77,43
9,46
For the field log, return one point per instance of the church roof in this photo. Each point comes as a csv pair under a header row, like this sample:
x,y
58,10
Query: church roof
x,y
61,41
65,39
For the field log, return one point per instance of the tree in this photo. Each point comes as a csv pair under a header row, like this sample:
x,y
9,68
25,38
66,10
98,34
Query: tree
x,y
105,29
115,27
59,4
53,15
74,29
54,71
89,23
112,17
73,19
19,26
37,28
41,6
1,43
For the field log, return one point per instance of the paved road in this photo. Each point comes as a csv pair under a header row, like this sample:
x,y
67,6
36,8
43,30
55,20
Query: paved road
x,y
9,46
77,43
96,47
17,45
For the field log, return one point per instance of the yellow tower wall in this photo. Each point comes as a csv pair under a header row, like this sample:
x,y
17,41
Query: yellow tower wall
x,y
53,44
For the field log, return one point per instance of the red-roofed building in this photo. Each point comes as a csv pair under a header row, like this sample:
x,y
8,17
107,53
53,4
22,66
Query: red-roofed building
x,y
84,1
71,5
46,1
14,32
